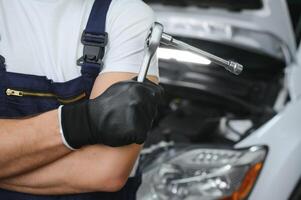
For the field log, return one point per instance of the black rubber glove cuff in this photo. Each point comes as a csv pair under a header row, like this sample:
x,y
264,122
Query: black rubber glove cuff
x,y
77,124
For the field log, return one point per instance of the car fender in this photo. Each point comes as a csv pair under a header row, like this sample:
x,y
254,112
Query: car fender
x,y
282,167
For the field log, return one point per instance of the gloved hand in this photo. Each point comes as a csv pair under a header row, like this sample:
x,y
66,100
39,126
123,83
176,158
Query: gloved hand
x,y
122,115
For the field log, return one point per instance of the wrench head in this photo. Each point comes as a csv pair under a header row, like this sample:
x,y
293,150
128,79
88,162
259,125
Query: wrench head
x,y
154,37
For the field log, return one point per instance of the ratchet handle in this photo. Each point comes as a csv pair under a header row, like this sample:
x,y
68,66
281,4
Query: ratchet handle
x,y
151,45
145,66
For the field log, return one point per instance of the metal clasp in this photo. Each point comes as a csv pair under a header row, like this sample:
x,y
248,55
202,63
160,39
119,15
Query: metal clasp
x,y
93,48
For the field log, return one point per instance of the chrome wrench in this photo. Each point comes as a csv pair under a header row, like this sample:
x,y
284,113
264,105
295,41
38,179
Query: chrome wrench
x,y
156,37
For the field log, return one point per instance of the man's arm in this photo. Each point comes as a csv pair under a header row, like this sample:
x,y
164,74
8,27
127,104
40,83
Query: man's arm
x,y
96,168
92,169
28,144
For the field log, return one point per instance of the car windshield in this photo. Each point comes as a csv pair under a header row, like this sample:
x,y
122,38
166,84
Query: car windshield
x,y
228,4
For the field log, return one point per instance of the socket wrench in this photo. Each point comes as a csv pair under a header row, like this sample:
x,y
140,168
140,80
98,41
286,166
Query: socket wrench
x,y
156,37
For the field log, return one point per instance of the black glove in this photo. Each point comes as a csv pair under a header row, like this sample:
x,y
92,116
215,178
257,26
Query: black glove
x,y
122,115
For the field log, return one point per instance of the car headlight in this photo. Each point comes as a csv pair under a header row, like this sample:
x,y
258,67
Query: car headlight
x,y
203,174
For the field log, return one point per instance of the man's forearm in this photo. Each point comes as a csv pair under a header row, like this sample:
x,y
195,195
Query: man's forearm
x,y
27,144
91,169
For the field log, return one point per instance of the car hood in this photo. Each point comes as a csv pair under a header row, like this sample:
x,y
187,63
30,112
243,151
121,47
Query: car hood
x,y
267,29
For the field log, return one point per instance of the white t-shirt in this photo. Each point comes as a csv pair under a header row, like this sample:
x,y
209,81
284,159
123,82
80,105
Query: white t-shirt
x,y
42,37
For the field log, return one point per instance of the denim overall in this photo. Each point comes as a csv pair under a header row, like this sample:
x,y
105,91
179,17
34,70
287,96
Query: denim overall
x,y
28,95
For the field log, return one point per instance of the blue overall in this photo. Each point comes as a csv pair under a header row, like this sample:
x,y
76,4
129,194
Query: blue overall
x,y
24,95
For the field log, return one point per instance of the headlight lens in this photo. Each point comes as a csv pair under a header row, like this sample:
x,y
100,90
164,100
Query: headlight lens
x,y
203,174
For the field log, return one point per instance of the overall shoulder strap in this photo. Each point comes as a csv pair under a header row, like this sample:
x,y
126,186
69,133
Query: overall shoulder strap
x,y
95,38
2,63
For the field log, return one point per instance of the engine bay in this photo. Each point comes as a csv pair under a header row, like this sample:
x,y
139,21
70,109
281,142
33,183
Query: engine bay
x,y
206,105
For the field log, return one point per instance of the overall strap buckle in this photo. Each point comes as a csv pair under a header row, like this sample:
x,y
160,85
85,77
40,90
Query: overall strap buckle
x,y
94,45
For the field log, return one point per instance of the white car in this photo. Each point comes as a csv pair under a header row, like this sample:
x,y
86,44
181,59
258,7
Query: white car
x,y
222,136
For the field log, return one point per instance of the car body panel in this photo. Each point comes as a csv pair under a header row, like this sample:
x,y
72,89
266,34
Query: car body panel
x,y
222,25
293,78
281,170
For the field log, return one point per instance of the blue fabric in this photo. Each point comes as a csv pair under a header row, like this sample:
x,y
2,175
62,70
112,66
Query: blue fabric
x,y
95,31
97,20
15,107
2,88
96,26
